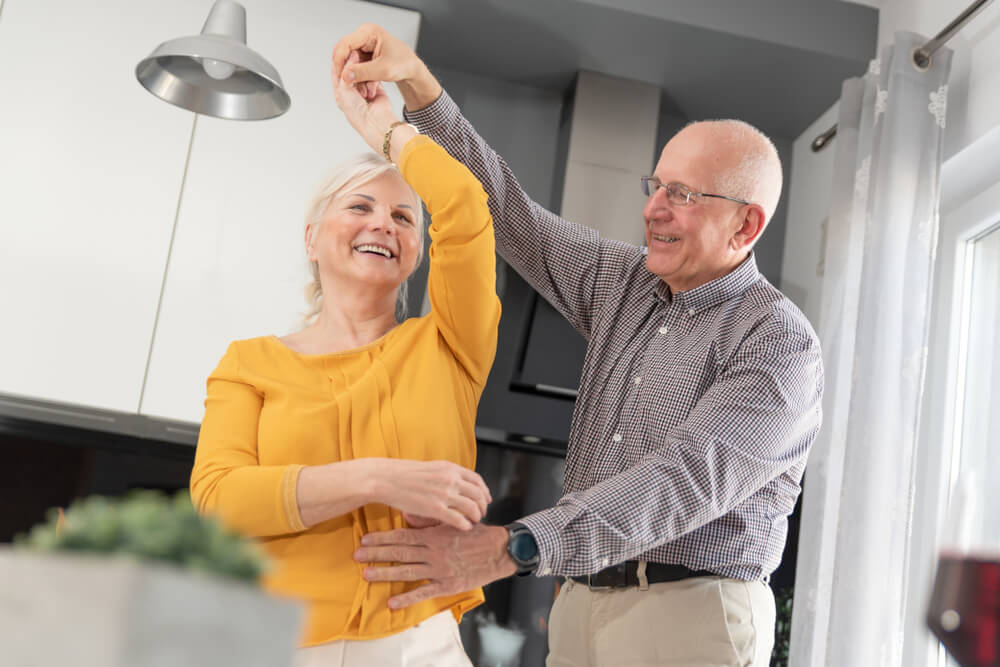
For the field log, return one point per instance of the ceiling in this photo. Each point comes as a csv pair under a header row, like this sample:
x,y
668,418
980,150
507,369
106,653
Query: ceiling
x,y
775,63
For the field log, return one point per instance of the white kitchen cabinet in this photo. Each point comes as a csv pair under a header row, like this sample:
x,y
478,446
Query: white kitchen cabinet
x,y
90,171
238,266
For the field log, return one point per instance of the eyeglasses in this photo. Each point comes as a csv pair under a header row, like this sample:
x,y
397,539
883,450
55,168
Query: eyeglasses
x,y
677,194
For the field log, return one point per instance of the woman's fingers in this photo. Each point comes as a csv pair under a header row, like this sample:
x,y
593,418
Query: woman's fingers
x,y
453,518
417,521
469,508
475,494
438,491
473,477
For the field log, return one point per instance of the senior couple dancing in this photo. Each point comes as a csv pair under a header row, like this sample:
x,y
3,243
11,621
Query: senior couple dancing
x,y
347,449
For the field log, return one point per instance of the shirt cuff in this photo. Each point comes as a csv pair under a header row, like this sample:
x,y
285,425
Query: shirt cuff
x,y
412,146
289,497
435,116
555,544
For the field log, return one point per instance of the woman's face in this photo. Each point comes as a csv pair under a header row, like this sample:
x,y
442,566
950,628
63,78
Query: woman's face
x,y
369,235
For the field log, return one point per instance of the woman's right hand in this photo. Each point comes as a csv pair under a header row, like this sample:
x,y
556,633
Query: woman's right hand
x,y
438,490
369,116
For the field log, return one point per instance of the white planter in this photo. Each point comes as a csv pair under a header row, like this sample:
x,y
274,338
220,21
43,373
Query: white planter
x,y
84,611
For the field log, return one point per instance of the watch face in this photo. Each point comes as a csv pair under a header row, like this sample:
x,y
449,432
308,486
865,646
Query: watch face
x,y
523,547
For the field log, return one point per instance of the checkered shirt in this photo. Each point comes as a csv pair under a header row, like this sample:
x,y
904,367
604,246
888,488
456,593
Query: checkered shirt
x,y
696,409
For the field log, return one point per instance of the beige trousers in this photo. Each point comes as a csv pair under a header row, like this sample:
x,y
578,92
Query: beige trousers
x,y
697,622
433,643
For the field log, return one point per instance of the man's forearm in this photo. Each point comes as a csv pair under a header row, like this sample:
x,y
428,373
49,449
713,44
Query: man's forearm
x,y
421,90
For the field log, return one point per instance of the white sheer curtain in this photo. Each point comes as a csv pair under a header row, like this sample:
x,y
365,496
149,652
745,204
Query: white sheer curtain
x,y
850,587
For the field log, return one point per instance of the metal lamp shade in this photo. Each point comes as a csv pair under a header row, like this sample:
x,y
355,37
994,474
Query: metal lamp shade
x,y
215,73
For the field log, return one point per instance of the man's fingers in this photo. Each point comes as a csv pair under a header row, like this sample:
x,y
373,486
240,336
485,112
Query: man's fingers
x,y
408,572
373,70
425,592
398,536
395,553
364,38
340,54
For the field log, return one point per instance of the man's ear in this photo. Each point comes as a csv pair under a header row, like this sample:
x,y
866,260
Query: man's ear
x,y
751,227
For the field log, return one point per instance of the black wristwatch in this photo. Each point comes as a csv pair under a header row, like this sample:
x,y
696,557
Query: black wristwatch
x,y
522,548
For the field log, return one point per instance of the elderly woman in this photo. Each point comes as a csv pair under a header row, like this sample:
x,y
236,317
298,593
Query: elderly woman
x,y
311,440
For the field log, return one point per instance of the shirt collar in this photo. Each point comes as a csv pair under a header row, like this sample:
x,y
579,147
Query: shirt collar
x,y
714,292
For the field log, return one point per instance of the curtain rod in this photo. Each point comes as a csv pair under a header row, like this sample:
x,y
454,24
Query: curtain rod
x,y
921,57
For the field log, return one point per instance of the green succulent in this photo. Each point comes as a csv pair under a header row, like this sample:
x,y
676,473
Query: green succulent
x,y
150,526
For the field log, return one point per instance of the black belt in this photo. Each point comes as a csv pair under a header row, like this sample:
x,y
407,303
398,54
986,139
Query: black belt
x,y
626,574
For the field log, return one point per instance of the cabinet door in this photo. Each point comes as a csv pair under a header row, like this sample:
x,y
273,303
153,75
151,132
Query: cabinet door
x,y
90,171
238,266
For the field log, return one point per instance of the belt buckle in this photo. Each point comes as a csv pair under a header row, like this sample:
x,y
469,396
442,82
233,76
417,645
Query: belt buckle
x,y
596,587
616,574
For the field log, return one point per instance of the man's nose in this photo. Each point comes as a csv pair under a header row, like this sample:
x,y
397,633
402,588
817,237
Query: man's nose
x,y
657,202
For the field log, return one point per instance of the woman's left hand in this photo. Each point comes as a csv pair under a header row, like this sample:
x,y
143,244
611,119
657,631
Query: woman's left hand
x,y
366,106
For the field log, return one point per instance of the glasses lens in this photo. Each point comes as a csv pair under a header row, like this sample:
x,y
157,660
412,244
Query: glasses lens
x,y
648,185
677,194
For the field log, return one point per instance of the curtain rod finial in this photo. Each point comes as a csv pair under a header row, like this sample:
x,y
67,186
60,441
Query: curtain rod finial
x,y
820,142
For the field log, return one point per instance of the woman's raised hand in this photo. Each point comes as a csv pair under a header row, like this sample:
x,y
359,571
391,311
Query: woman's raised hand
x,y
431,490
368,111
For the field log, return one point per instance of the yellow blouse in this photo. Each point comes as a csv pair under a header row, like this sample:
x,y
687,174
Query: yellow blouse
x,y
411,394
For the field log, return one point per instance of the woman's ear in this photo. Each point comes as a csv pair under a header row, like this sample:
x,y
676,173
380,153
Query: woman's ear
x,y
310,251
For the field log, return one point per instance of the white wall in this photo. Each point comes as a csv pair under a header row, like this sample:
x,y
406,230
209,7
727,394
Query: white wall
x,y
809,191
237,268
90,168
93,189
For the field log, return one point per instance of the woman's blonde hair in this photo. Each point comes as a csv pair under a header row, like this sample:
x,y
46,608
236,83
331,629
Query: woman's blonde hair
x,y
348,175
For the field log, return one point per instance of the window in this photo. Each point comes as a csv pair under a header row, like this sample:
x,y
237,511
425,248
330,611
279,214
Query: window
x,y
960,424
975,432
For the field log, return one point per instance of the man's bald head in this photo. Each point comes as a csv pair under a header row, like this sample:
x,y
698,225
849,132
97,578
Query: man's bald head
x,y
745,162
692,242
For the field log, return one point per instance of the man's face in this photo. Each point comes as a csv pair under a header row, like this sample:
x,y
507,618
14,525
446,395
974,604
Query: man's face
x,y
690,245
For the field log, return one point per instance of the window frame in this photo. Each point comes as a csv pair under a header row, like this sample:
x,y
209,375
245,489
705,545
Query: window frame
x,y
970,207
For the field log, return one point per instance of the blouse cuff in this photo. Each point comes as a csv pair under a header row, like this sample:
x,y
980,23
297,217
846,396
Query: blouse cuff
x,y
289,497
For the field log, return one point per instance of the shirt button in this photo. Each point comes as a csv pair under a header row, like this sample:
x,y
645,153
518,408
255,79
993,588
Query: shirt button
x,y
617,437
637,379
662,330
691,312
546,572
605,562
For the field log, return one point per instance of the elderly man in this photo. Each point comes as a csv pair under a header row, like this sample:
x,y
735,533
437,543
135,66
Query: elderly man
x,y
699,400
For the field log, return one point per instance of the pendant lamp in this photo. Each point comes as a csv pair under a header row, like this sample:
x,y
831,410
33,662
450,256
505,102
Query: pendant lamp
x,y
215,73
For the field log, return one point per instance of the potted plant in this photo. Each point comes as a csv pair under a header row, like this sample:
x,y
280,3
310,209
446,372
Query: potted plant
x,y
783,626
139,582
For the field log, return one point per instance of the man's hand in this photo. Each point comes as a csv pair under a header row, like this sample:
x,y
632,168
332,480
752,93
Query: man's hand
x,y
385,58
451,560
